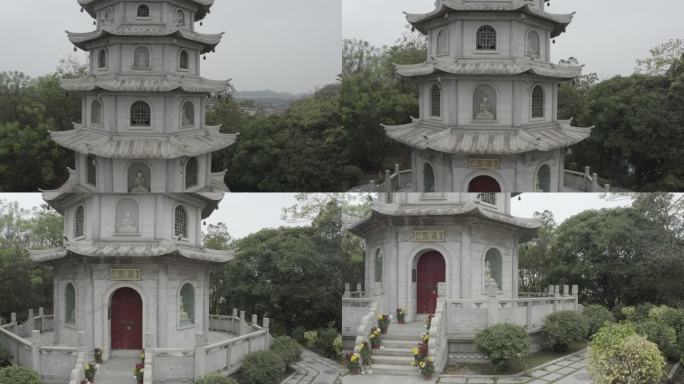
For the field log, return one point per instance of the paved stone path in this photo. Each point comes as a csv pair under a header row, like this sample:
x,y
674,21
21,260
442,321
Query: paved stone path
x,y
569,369
314,369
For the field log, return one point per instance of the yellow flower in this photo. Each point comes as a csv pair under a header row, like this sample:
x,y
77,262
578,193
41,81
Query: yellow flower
x,y
413,363
415,350
422,364
354,358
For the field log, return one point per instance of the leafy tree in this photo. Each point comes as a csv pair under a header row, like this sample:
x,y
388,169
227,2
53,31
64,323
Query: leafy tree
x,y
662,58
535,256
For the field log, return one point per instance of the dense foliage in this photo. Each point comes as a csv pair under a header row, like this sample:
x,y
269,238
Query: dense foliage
x,y
565,327
502,343
617,354
5,357
596,316
618,256
661,335
23,284
288,349
215,379
263,367
18,375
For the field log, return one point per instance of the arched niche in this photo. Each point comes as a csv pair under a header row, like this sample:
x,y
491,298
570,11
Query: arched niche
x,y
484,103
139,176
493,267
127,218
428,178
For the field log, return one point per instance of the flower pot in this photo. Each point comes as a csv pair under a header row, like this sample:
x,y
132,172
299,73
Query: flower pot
x,y
383,330
427,376
355,371
401,321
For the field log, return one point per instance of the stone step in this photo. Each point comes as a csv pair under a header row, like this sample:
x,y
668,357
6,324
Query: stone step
x,y
403,344
389,351
397,370
392,360
401,336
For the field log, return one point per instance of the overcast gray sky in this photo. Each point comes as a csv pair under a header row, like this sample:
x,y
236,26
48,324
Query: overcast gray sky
x,y
292,46
246,213
606,35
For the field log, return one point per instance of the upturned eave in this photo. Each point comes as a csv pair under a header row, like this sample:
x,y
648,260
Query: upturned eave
x,y
203,7
85,39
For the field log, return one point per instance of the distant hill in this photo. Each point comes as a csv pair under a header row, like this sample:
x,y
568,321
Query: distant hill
x,y
268,98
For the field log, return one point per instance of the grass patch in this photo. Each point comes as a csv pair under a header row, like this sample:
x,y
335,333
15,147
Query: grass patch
x,y
533,360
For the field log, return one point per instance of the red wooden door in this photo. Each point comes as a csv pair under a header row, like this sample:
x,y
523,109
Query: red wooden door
x,y
431,270
483,184
126,319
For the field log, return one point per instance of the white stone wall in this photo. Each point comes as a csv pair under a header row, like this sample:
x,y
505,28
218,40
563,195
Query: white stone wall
x,y
515,172
159,289
466,243
156,218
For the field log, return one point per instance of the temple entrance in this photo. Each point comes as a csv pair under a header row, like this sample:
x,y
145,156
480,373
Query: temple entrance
x,y
484,184
126,319
431,270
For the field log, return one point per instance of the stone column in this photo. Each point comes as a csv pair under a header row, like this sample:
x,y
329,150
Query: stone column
x,y
465,263
162,321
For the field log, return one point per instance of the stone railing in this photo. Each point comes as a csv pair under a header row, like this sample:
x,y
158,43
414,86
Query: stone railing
x,y
353,310
359,292
223,357
467,317
55,364
438,346
583,182
367,322
78,373
392,182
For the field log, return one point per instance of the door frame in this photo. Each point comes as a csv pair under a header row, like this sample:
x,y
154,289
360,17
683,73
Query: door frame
x,y
107,321
413,285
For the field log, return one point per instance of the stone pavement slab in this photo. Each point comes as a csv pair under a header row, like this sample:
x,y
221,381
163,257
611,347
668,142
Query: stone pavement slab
x,y
118,370
314,369
385,379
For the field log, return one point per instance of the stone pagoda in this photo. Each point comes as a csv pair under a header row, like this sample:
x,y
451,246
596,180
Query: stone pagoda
x,y
133,272
488,96
450,255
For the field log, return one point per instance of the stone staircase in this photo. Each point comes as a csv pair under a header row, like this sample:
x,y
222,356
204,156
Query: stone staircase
x,y
395,357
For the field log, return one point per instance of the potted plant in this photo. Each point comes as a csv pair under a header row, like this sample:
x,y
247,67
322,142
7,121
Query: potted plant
x,y
353,363
426,338
401,315
139,373
427,368
428,322
98,355
383,323
142,356
90,369
374,337
365,353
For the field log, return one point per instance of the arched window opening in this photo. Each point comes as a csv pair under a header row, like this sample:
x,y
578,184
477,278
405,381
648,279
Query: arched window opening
x,y
187,305
127,219
79,222
191,173
533,44
91,170
428,178
188,113
484,103
139,176
443,43
143,11
486,38
180,223
537,102
141,57
102,58
180,18
378,266
96,112
141,115
184,60
70,304
544,179
493,267
436,101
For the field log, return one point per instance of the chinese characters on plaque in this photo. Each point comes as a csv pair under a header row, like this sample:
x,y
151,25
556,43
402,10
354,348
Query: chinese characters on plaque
x,y
125,274
483,163
429,235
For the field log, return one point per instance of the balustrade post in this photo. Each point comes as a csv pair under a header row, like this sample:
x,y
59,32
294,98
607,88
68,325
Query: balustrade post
x,y
388,184
200,355
13,322
30,322
358,289
347,290
255,320
529,323
41,315
594,183
566,290
243,324
575,295
35,350
232,322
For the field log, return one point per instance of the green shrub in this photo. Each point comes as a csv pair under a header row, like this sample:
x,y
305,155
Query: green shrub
x,y
662,335
288,349
596,316
337,345
564,327
618,355
215,379
325,344
5,357
311,338
670,316
298,334
263,367
502,343
18,375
